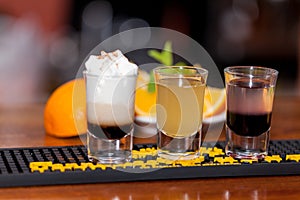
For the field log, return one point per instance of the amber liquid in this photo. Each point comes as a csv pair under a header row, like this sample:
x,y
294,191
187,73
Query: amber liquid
x,y
179,106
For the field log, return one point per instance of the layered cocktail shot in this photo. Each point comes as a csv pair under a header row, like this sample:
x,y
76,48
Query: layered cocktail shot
x,y
180,96
250,93
110,87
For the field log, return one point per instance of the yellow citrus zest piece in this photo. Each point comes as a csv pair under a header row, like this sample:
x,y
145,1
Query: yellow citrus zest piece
x,y
65,110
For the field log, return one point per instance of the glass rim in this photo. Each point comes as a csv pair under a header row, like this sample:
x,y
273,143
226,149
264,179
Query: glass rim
x,y
157,69
235,70
86,72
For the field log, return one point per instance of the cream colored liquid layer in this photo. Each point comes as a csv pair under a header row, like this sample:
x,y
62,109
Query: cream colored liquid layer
x,y
109,115
110,100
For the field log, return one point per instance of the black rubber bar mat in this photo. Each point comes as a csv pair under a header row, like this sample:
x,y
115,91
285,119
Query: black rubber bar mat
x,y
70,165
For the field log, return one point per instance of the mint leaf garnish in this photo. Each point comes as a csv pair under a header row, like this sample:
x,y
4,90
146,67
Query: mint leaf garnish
x,y
164,57
151,84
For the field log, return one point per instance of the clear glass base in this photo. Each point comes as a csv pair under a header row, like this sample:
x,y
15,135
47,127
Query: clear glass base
x,y
246,147
178,148
110,158
108,151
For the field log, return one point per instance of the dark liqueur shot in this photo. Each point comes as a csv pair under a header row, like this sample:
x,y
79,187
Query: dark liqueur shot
x,y
248,124
249,109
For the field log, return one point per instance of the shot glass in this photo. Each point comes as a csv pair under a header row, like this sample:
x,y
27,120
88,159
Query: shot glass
x,y
110,116
250,93
179,109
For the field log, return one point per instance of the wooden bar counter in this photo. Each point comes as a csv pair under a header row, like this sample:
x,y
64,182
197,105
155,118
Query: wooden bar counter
x,y
22,126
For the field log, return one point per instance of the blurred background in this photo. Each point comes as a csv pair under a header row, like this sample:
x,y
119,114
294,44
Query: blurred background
x,y
43,43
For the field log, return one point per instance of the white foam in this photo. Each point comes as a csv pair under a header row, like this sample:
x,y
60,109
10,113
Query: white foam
x,y
113,63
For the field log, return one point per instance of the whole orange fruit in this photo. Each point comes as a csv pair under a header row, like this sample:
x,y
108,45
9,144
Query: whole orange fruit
x,y
65,110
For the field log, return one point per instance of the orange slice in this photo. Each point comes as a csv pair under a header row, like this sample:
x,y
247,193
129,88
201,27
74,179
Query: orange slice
x,y
145,102
214,101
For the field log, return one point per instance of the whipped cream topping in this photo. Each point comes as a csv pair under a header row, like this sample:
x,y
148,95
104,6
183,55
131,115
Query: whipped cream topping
x,y
112,63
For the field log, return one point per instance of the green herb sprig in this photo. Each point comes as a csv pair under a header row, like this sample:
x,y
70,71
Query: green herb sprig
x,y
165,57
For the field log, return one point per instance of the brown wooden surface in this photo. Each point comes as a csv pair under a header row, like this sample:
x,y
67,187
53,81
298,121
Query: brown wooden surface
x,y
23,127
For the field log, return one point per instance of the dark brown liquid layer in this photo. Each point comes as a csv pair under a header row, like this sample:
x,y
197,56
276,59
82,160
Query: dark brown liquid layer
x,y
248,124
109,132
